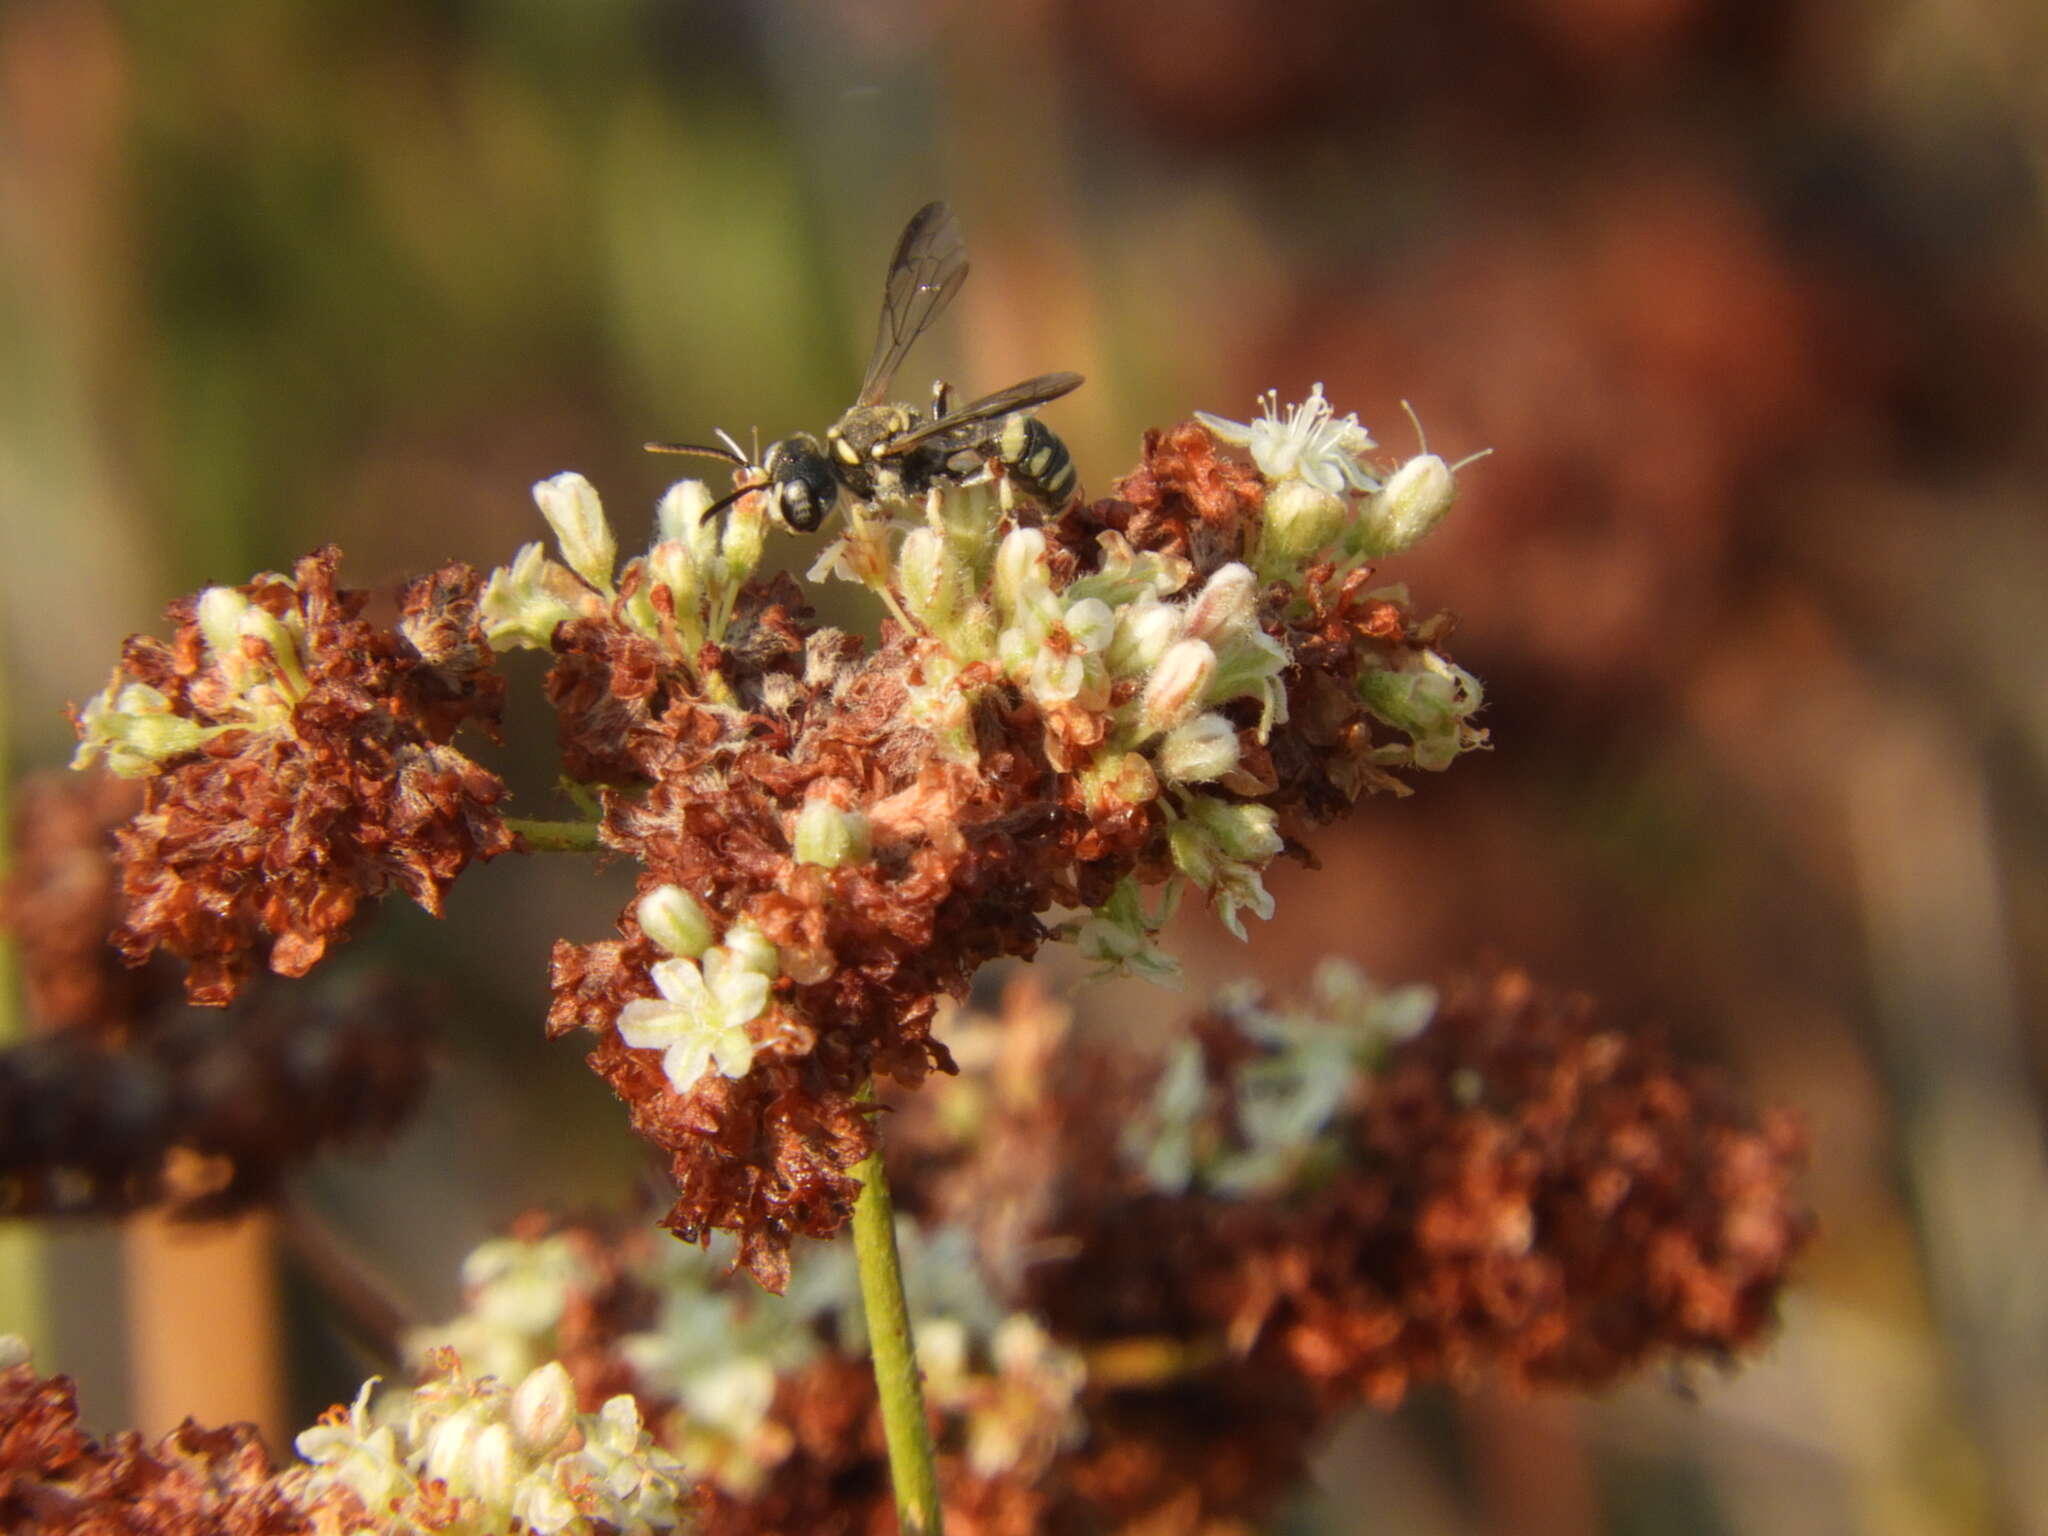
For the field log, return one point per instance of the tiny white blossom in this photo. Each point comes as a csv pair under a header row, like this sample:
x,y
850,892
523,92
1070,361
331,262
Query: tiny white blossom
x,y
1308,443
700,1020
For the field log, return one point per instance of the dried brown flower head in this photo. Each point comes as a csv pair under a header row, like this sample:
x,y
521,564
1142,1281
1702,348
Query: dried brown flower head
x,y
296,767
834,840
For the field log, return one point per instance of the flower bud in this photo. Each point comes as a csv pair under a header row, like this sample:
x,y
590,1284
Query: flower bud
x,y
923,573
493,1466
569,503
829,836
451,1446
220,621
1177,688
1022,571
1144,629
1411,503
1200,749
543,1408
671,917
679,515
751,950
744,540
262,625
671,564
1228,605
1249,833
1301,521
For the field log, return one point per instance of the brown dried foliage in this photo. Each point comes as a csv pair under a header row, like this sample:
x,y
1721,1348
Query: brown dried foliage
x,y
1521,1190
55,1480
265,844
59,904
207,1112
964,859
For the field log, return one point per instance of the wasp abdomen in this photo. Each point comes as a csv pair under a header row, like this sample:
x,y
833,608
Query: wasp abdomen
x,y
1032,454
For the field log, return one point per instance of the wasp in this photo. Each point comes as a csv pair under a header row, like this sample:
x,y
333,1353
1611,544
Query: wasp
x,y
880,449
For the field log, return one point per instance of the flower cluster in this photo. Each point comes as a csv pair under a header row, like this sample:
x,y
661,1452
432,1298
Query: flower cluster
x,y
715,1364
123,1097
296,765
207,1112
58,903
477,1457
1142,1292
1062,713
1145,1283
56,1480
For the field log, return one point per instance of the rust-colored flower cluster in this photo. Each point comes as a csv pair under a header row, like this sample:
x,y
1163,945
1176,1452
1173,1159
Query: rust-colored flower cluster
x,y
1218,1252
59,904
296,765
1159,690
1518,1189
56,1480
123,1097
470,1458
207,1111
1144,1285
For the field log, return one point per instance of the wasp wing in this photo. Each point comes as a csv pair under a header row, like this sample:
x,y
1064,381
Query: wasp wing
x,y
1018,397
928,268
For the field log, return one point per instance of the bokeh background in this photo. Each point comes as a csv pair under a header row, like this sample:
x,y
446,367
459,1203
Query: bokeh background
x,y
1749,297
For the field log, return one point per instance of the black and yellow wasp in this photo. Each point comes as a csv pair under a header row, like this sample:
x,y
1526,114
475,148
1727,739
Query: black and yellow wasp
x,y
880,449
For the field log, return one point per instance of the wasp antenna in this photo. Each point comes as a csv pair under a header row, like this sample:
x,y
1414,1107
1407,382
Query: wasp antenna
x,y
738,457
698,450
725,501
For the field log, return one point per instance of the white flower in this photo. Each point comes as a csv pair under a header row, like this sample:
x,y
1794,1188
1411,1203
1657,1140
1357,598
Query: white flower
x,y
700,1020
132,725
1118,937
1073,670
522,605
570,504
1308,444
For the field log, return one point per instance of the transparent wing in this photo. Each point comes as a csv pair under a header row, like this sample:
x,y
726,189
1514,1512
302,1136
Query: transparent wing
x,y
928,268
1018,397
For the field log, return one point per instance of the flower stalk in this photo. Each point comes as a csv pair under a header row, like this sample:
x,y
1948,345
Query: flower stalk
x,y
912,1472
555,836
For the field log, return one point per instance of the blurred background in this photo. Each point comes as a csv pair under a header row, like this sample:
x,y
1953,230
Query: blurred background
x,y
1750,299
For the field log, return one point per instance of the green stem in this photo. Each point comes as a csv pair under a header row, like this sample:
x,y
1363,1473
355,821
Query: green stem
x,y
556,836
911,1469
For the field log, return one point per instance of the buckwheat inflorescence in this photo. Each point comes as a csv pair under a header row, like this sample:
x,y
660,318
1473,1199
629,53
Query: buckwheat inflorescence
x,y
1068,721
1153,692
